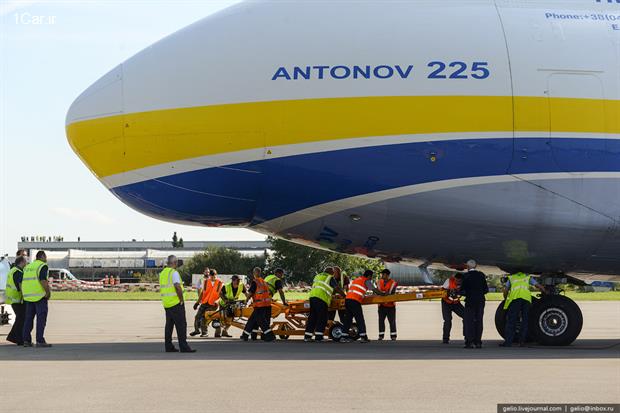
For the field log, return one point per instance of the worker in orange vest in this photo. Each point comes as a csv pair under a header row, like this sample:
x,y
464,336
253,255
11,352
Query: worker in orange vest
x,y
451,303
353,305
261,303
207,301
387,286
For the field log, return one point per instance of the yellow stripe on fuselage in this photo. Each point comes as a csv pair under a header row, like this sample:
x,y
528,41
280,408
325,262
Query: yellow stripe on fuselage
x,y
132,141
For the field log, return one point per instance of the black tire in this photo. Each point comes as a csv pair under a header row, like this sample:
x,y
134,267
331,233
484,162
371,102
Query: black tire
x,y
335,331
354,332
500,322
556,320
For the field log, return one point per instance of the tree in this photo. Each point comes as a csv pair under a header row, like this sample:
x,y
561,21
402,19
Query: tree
x,y
302,263
224,260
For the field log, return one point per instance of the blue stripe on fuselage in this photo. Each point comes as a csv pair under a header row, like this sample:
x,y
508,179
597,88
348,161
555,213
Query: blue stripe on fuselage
x,y
238,195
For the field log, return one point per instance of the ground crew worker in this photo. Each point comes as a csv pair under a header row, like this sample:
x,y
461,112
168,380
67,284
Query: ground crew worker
x,y
353,304
474,287
324,286
261,302
171,291
200,282
231,292
16,300
36,293
207,301
518,300
451,303
274,281
343,283
387,286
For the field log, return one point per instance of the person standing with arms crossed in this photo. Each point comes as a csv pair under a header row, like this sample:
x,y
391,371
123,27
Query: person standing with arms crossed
x,y
474,288
171,291
387,310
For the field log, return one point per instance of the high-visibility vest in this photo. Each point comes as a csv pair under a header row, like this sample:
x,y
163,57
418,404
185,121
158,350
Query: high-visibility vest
x,y
261,297
13,295
230,296
211,291
32,290
321,287
519,288
271,283
452,285
389,287
167,291
357,289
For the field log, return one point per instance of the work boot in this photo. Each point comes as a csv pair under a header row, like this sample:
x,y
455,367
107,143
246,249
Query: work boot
x,y
468,346
479,345
194,333
43,345
218,335
27,344
188,350
393,338
364,340
205,334
446,341
380,338
225,334
244,337
505,344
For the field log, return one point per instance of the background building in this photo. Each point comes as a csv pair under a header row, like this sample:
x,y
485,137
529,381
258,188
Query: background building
x,y
128,260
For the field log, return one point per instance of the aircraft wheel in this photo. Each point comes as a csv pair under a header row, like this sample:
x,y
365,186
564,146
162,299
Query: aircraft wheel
x,y
501,318
335,331
556,320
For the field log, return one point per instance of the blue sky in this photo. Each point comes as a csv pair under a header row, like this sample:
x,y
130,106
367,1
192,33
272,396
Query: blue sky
x,y
44,187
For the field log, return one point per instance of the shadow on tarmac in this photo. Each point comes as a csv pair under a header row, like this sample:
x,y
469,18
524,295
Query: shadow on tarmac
x,y
211,349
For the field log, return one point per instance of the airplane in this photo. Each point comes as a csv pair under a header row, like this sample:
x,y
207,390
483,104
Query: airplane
x,y
418,132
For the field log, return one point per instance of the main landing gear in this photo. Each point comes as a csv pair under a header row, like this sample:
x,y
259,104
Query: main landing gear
x,y
554,319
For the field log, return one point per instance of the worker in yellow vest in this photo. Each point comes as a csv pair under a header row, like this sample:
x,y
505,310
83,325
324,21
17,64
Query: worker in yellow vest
x,y
518,300
36,292
16,300
171,291
324,287
232,292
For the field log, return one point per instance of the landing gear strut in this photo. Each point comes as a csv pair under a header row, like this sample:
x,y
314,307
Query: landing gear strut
x,y
554,319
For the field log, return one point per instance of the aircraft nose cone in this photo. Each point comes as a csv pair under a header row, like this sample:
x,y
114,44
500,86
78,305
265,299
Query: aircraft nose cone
x,y
93,125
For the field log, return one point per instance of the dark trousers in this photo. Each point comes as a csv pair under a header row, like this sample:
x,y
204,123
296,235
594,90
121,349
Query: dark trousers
x,y
517,307
446,312
38,309
199,320
260,318
390,313
16,335
473,318
354,311
175,318
317,320
256,331
341,315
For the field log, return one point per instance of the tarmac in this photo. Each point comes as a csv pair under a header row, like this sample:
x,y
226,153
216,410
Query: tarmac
x,y
108,356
